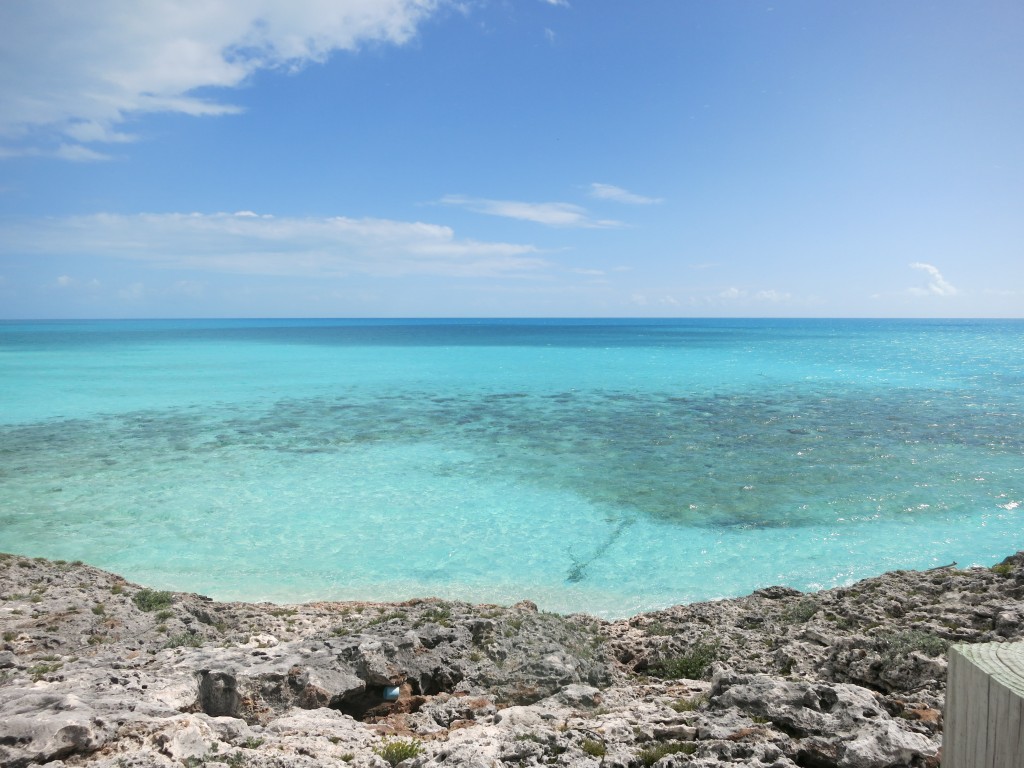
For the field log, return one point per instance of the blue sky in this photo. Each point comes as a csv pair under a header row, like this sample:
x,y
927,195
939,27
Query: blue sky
x,y
362,158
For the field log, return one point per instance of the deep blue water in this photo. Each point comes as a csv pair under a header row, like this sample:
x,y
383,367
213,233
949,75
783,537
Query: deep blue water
x,y
609,466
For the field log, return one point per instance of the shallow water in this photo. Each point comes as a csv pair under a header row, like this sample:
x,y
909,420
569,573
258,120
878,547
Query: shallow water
x,y
603,466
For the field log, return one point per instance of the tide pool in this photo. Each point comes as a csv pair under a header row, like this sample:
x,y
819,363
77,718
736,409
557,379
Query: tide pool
x,y
601,466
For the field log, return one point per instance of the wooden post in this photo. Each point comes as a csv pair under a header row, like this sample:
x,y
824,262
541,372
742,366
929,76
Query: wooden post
x,y
984,718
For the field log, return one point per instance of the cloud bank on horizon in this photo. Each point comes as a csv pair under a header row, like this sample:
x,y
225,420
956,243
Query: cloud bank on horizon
x,y
435,157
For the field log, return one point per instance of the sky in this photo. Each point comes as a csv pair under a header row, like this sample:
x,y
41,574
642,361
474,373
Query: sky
x,y
511,158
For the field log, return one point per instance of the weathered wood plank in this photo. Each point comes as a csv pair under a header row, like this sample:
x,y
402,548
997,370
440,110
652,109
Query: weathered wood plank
x,y
984,719
954,748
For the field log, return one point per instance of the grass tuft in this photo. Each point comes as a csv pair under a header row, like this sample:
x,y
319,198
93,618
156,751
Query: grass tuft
x,y
151,600
184,640
689,666
394,751
651,755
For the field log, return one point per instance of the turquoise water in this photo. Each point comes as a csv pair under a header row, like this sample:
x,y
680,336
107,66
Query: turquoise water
x,y
601,466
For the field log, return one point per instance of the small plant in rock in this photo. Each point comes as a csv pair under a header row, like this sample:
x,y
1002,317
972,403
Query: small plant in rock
x,y
1002,569
386,617
440,614
99,609
688,705
151,600
594,748
657,629
394,751
651,755
185,639
800,612
252,743
536,738
38,671
689,666
899,644
164,615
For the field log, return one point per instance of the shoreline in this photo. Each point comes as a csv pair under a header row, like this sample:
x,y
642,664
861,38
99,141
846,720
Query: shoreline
x,y
97,671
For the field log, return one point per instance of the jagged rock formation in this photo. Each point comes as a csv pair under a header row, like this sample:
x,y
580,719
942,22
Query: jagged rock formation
x,y
95,671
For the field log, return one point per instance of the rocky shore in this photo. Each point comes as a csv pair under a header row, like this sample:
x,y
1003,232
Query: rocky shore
x,y
97,671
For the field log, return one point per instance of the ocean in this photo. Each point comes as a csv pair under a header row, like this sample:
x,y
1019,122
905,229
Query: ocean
x,y
603,466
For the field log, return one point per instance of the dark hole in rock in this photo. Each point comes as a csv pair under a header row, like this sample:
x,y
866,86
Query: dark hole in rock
x,y
218,694
808,759
827,699
370,706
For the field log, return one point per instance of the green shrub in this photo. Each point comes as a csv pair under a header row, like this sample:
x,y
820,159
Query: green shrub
x,y
395,751
440,614
651,755
657,629
39,671
1002,569
688,705
899,644
689,666
151,600
185,639
385,617
800,612
593,748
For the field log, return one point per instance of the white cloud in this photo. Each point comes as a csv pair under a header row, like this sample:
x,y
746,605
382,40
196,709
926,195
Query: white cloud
x,y
134,293
247,243
563,3
74,71
69,282
550,214
620,195
772,295
937,284
189,288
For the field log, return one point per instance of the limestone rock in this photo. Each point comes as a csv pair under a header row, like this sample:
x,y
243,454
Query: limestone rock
x,y
850,677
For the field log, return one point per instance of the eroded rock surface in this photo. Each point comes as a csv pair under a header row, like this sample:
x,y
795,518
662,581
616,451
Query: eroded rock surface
x,y
95,671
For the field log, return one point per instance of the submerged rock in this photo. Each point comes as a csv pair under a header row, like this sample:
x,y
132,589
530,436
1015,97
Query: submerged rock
x,y
95,671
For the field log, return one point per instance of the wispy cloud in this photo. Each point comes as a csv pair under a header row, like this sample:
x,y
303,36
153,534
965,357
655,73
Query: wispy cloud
x,y
620,195
563,3
247,243
769,295
937,284
772,295
76,71
550,214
